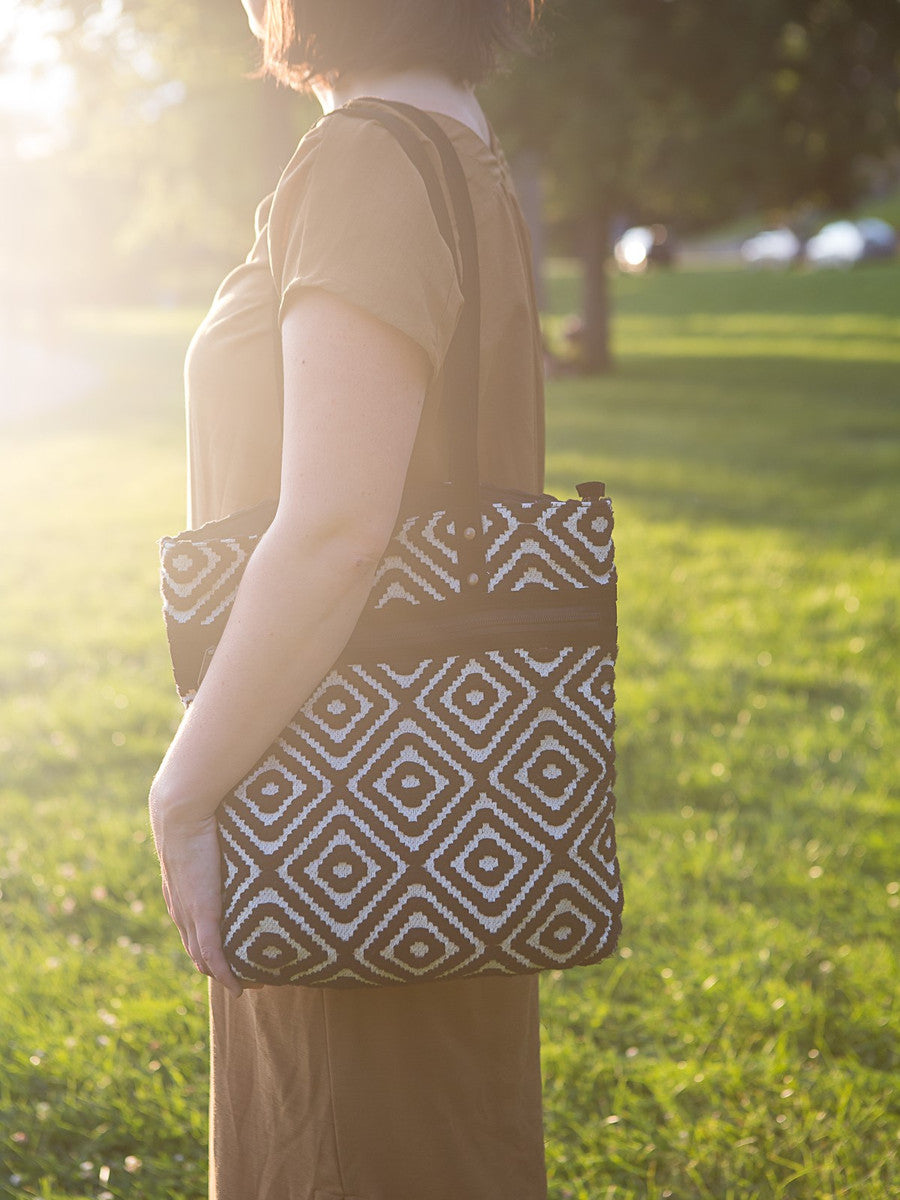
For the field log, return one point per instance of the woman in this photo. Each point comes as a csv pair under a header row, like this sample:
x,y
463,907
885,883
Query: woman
x,y
427,1092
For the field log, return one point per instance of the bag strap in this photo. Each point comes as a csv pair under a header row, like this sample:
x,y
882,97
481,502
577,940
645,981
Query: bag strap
x,y
384,112
462,364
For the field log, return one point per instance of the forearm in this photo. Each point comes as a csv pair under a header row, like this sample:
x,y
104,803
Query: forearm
x,y
296,607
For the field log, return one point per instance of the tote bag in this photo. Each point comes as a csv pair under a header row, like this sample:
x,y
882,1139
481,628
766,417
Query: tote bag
x,y
442,805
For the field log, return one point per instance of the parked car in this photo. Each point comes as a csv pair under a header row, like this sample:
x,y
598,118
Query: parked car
x,y
772,248
643,246
845,243
880,238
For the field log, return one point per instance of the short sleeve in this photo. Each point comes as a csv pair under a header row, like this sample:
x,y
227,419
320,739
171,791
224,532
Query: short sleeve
x,y
261,216
351,215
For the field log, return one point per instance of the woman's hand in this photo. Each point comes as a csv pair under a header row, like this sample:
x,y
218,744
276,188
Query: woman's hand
x,y
188,849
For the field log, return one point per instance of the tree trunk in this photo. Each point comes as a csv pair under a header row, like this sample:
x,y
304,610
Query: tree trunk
x,y
597,354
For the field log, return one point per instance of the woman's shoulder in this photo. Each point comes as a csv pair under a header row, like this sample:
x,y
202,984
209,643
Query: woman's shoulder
x,y
352,215
346,173
349,175
344,150
355,153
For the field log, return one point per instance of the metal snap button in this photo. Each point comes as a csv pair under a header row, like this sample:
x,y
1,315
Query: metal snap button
x,y
473,579
469,533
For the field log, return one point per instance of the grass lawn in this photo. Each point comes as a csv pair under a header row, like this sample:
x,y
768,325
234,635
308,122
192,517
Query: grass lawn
x,y
743,1043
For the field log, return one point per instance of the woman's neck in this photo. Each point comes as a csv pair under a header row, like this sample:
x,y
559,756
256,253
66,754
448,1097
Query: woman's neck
x,y
424,88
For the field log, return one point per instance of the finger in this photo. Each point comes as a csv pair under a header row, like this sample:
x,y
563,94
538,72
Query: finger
x,y
209,939
195,954
189,946
222,973
167,896
173,916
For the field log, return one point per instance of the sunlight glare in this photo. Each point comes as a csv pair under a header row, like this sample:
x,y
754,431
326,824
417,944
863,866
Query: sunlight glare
x,y
36,86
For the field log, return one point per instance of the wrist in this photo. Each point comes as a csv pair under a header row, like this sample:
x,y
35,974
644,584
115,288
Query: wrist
x,y
177,806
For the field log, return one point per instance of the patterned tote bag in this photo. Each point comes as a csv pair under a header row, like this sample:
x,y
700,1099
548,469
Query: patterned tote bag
x,y
442,805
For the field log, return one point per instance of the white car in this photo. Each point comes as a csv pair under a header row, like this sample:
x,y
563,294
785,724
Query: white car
x,y
845,243
772,248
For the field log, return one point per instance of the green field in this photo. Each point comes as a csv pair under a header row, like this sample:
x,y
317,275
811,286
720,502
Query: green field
x,y
744,1041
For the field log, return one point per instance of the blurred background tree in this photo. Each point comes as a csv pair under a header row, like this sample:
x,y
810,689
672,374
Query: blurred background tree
x,y
690,112
147,181
687,112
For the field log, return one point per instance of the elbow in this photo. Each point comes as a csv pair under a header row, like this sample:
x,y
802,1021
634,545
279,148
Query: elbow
x,y
348,544
359,550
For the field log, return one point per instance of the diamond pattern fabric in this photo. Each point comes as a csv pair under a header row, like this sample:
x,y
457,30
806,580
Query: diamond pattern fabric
x,y
429,814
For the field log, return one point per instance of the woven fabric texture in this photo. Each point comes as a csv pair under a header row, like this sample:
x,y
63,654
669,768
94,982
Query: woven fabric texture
x,y
430,815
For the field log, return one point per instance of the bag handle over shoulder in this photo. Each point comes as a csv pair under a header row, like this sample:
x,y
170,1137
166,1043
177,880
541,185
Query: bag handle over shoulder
x,y
463,361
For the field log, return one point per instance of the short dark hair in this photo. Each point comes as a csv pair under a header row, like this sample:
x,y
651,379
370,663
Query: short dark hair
x,y
310,41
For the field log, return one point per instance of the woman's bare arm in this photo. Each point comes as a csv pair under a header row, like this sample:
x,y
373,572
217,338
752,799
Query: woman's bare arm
x,y
354,388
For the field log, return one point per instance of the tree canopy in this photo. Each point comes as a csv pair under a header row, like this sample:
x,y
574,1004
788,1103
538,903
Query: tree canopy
x,y
691,111
681,111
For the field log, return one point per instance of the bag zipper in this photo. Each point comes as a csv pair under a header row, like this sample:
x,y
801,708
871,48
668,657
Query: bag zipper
x,y
584,624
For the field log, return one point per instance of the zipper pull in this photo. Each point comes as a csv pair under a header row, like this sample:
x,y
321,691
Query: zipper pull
x,y
591,491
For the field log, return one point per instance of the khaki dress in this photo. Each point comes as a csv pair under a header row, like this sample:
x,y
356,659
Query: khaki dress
x,y
427,1092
